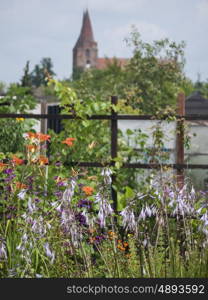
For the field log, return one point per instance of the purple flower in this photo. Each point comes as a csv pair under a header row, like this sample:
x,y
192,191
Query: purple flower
x,y
58,163
8,188
129,221
69,192
62,183
10,178
12,208
85,203
58,194
81,219
105,209
99,238
8,171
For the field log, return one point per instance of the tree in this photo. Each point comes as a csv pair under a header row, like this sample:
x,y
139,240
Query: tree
x,y
42,71
201,86
2,87
150,81
26,78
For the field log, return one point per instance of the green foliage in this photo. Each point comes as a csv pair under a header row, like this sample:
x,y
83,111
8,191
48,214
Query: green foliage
x,y
202,87
11,130
26,78
20,99
149,82
40,73
2,87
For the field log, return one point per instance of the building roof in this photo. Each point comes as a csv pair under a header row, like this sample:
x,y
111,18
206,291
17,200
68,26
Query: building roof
x,y
103,62
196,104
86,34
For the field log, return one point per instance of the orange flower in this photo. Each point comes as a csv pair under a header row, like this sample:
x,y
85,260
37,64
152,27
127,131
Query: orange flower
x,y
69,141
125,244
31,135
43,137
31,147
43,160
20,186
40,136
121,248
17,161
88,190
112,235
2,165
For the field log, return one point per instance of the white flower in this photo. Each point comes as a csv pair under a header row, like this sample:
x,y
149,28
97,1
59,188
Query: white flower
x,y
69,192
106,173
31,206
49,253
105,209
21,194
129,221
3,253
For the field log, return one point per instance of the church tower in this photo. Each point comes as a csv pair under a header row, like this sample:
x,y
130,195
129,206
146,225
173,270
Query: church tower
x,y
85,51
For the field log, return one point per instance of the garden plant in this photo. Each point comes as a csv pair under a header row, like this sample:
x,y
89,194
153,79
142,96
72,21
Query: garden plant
x,y
58,221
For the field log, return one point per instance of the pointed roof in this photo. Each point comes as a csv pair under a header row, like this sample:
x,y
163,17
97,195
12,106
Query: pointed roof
x,y
86,34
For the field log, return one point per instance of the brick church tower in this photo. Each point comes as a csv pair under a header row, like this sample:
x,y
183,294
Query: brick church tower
x,y
85,51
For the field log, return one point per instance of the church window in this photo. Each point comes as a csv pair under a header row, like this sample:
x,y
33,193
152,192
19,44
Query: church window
x,y
87,52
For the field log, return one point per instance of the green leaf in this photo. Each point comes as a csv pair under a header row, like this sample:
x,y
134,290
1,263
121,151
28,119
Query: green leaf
x,y
129,193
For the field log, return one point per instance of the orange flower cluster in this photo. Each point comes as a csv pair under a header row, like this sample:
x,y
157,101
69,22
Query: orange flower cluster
x,y
31,135
31,148
88,190
69,142
112,235
21,186
40,136
123,246
43,137
43,160
17,161
2,165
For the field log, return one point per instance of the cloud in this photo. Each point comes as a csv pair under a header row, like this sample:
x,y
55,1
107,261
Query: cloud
x,y
119,6
202,9
115,37
32,29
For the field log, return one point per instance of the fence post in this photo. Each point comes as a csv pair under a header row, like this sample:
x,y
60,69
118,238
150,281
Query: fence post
x,y
180,139
43,122
114,147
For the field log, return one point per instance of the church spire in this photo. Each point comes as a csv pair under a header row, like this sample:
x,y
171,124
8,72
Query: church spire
x,y
85,52
86,34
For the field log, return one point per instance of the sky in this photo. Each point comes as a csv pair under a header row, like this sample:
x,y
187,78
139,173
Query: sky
x,y
33,29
